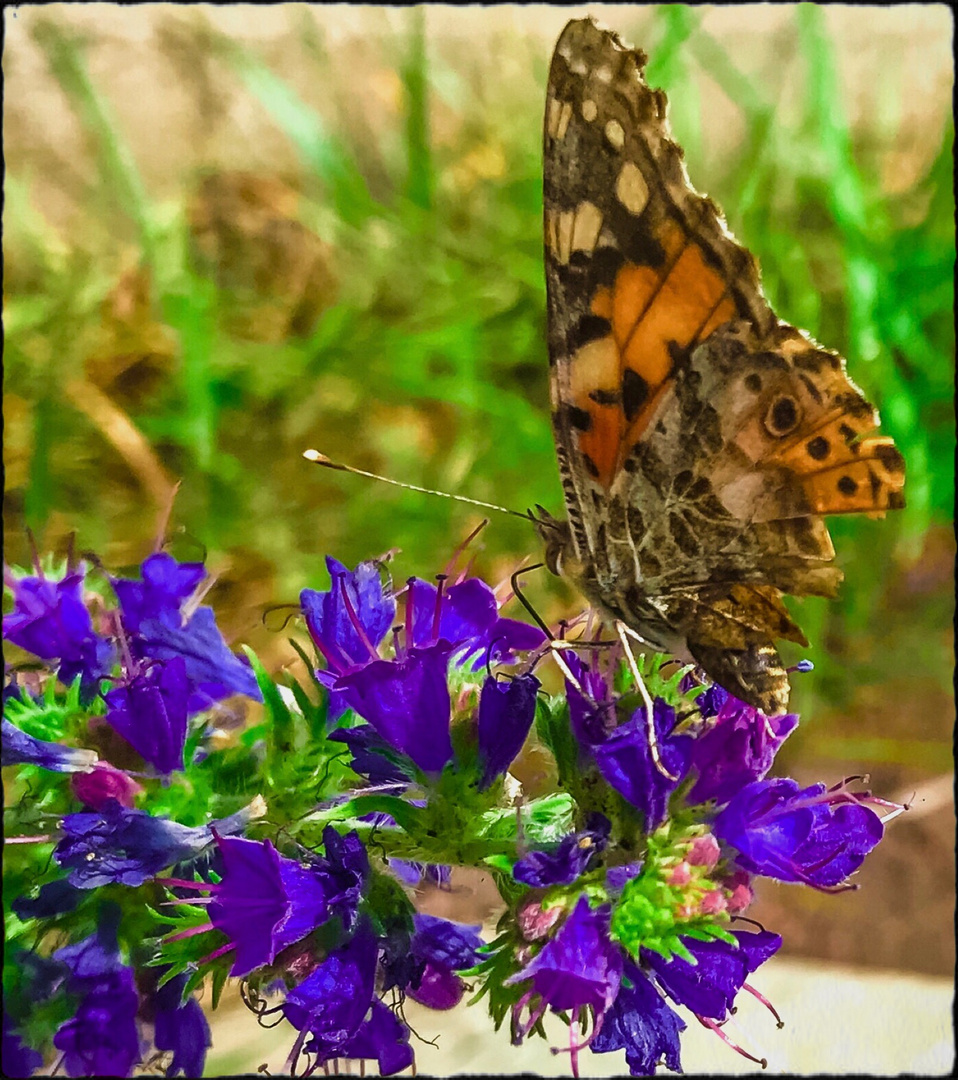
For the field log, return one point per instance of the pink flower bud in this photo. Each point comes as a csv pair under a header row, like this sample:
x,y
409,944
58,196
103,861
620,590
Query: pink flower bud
x,y
704,851
681,875
105,782
713,902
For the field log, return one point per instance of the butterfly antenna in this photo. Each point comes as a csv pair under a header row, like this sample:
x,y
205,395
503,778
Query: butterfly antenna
x,y
320,459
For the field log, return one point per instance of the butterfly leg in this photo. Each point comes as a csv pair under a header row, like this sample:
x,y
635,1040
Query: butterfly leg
x,y
624,633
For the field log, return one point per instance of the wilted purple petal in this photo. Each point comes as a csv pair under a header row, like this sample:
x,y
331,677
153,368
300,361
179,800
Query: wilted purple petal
x,y
54,898
445,943
127,847
564,864
372,755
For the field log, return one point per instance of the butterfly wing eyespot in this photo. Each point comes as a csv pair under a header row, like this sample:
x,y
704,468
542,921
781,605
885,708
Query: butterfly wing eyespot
x,y
700,440
783,416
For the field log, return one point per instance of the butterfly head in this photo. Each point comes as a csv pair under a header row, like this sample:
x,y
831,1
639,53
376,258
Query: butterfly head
x,y
556,535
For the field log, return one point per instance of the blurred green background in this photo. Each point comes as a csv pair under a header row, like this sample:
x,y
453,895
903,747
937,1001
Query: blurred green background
x,y
231,233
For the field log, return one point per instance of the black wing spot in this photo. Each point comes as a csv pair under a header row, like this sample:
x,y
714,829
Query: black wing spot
x,y
591,467
605,397
896,500
589,328
818,448
890,457
578,418
635,392
847,485
753,382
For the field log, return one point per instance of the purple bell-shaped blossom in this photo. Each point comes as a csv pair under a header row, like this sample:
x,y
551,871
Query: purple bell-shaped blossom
x,y
150,712
128,847
738,746
506,712
50,620
102,1038
19,748
160,626
641,1022
789,833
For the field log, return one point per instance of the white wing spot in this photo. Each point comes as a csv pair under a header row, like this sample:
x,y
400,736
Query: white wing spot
x,y
589,110
631,189
603,73
587,226
615,133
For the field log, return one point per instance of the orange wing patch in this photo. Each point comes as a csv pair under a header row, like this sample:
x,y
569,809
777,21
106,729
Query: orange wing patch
x,y
619,380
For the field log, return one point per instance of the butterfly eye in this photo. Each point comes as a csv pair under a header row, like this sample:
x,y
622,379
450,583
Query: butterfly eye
x,y
783,416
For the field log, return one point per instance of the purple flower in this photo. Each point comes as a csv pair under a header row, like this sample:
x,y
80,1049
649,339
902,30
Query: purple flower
x,y
331,1002
212,670
506,712
591,712
407,702
413,873
736,748
349,622
383,1037
641,1023
372,755
709,986
18,1058
441,948
102,783
130,846
180,1027
50,620
626,762
19,748
54,898
579,968
267,902
164,585
466,616
567,862
808,835
160,627
150,713
102,1038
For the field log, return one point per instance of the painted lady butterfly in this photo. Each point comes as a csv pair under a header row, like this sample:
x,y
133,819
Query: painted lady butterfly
x,y
700,439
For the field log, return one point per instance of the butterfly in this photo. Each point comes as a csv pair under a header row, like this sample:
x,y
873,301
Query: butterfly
x,y
700,439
